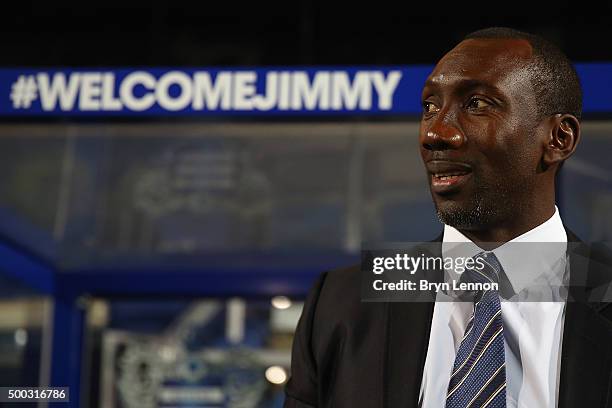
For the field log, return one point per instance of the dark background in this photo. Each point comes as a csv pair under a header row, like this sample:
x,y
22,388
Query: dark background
x,y
299,32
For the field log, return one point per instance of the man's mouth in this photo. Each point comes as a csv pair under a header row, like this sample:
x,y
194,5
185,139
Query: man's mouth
x,y
447,179
447,176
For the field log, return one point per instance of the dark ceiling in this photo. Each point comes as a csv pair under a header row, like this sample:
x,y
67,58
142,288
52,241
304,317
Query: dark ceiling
x,y
303,32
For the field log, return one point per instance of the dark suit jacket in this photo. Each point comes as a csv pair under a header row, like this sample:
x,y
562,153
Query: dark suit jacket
x,y
348,353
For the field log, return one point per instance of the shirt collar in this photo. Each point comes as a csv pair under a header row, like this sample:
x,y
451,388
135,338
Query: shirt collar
x,y
535,261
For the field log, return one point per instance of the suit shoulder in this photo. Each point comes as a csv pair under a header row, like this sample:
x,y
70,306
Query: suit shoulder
x,y
340,297
343,279
341,289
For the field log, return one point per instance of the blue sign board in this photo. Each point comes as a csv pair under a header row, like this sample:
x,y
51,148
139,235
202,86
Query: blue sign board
x,y
253,92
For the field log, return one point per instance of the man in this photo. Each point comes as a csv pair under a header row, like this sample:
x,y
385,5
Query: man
x,y
501,113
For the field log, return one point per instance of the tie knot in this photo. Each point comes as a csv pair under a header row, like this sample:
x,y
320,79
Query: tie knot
x,y
486,269
489,265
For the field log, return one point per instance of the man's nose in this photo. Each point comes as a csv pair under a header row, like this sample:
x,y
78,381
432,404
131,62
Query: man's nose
x,y
442,135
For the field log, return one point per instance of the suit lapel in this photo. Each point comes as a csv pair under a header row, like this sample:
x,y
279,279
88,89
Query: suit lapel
x,y
586,359
408,329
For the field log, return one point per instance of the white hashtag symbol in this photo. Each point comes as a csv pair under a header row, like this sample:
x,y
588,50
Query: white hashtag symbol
x,y
24,91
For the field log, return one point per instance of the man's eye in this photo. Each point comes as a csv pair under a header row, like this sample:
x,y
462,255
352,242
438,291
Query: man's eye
x,y
477,103
429,107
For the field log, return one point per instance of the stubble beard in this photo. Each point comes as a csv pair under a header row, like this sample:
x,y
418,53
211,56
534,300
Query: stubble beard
x,y
488,206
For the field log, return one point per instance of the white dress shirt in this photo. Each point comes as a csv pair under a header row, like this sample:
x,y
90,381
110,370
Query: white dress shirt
x,y
532,330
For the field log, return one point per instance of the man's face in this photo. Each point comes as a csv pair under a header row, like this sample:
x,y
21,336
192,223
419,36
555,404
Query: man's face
x,y
479,133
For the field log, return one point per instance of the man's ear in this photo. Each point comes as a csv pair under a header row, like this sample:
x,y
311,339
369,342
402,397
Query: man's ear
x,y
562,140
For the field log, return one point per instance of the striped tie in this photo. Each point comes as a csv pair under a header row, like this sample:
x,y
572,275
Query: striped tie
x,y
479,374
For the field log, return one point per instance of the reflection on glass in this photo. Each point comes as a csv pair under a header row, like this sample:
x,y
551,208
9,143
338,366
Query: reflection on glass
x,y
208,353
23,330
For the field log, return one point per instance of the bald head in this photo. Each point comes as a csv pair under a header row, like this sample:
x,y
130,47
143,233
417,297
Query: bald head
x,y
554,79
